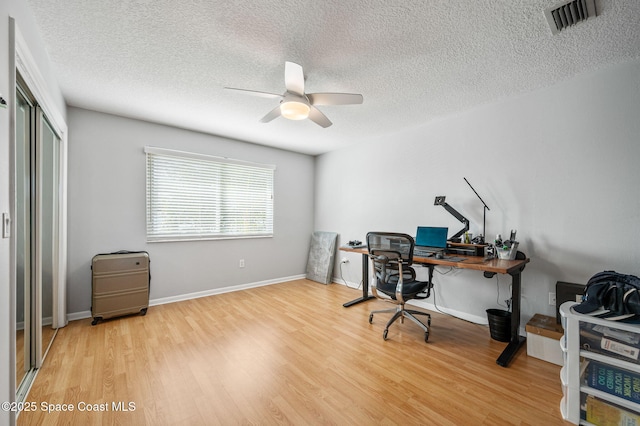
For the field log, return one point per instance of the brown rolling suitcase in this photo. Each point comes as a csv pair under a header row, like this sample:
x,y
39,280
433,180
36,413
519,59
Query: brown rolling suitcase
x,y
120,284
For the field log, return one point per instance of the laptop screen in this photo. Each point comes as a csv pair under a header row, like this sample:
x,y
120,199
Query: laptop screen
x,y
430,236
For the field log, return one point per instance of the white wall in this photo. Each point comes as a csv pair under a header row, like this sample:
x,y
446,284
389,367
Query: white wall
x,y
18,10
107,210
560,165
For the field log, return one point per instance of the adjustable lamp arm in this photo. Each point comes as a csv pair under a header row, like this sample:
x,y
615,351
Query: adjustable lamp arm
x,y
440,202
484,212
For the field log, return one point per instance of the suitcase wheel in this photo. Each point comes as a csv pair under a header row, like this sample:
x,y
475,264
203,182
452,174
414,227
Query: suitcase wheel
x,y
96,320
143,311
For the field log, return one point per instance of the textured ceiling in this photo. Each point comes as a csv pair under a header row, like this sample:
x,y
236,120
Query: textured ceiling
x,y
167,61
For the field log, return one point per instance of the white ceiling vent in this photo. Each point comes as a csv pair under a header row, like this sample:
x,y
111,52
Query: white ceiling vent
x,y
569,13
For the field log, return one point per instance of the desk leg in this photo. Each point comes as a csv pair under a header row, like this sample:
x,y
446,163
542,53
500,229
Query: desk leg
x,y
516,340
365,284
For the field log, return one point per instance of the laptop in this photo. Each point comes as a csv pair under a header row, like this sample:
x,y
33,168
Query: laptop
x,y
430,240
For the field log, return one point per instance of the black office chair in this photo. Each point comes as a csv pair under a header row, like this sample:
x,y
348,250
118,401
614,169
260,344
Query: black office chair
x,y
395,279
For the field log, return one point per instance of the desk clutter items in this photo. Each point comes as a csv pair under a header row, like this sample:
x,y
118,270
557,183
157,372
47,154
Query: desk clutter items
x,y
321,254
466,238
506,249
355,244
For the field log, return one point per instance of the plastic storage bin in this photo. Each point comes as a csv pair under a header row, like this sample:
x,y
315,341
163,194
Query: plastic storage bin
x,y
601,369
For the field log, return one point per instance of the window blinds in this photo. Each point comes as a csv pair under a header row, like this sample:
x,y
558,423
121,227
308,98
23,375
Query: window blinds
x,y
194,196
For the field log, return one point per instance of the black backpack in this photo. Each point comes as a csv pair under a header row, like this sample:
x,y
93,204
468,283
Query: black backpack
x,y
617,294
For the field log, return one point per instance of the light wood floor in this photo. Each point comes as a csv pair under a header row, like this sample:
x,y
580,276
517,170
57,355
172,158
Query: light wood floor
x,y
47,334
288,354
19,356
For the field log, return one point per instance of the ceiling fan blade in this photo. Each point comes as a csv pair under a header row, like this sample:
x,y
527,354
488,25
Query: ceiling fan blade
x,y
256,93
334,98
294,78
274,113
318,117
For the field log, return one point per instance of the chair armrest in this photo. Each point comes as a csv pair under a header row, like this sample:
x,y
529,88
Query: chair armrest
x,y
374,283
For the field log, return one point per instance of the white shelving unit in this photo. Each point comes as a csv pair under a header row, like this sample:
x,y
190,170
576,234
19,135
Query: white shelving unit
x,y
578,349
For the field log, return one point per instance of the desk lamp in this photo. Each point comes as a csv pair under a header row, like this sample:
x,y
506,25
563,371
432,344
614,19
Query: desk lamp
x,y
440,202
484,212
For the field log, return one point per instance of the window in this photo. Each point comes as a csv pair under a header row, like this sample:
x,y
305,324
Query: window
x,y
195,197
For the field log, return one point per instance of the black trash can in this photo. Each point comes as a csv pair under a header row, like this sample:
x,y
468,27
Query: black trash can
x,y
499,324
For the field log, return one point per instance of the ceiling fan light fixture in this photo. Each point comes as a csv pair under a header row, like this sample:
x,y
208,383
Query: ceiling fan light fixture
x,y
295,104
294,110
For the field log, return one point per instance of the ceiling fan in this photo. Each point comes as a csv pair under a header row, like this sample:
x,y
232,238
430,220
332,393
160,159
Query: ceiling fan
x,y
297,105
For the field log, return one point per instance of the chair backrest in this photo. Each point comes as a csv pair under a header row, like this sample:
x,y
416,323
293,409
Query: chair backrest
x,y
393,245
387,251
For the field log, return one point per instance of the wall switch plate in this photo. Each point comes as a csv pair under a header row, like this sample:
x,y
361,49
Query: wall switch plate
x,y
6,225
552,298
241,263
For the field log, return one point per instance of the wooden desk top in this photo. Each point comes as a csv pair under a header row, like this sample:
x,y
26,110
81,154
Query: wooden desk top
x,y
477,263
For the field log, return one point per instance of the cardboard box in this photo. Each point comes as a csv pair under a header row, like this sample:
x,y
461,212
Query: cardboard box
x,y
543,339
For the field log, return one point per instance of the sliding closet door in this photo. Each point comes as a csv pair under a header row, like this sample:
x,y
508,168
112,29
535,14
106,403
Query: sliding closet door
x,y
23,227
38,234
47,210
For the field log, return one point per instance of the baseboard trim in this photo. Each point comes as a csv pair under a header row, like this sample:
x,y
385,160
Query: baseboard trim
x,y
431,307
481,320
188,296
213,292
78,315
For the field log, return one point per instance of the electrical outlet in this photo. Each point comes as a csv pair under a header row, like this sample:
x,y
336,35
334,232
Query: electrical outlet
x,y
552,299
241,263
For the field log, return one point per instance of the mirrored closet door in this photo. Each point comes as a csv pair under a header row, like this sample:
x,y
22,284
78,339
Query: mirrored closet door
x,y
37,175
